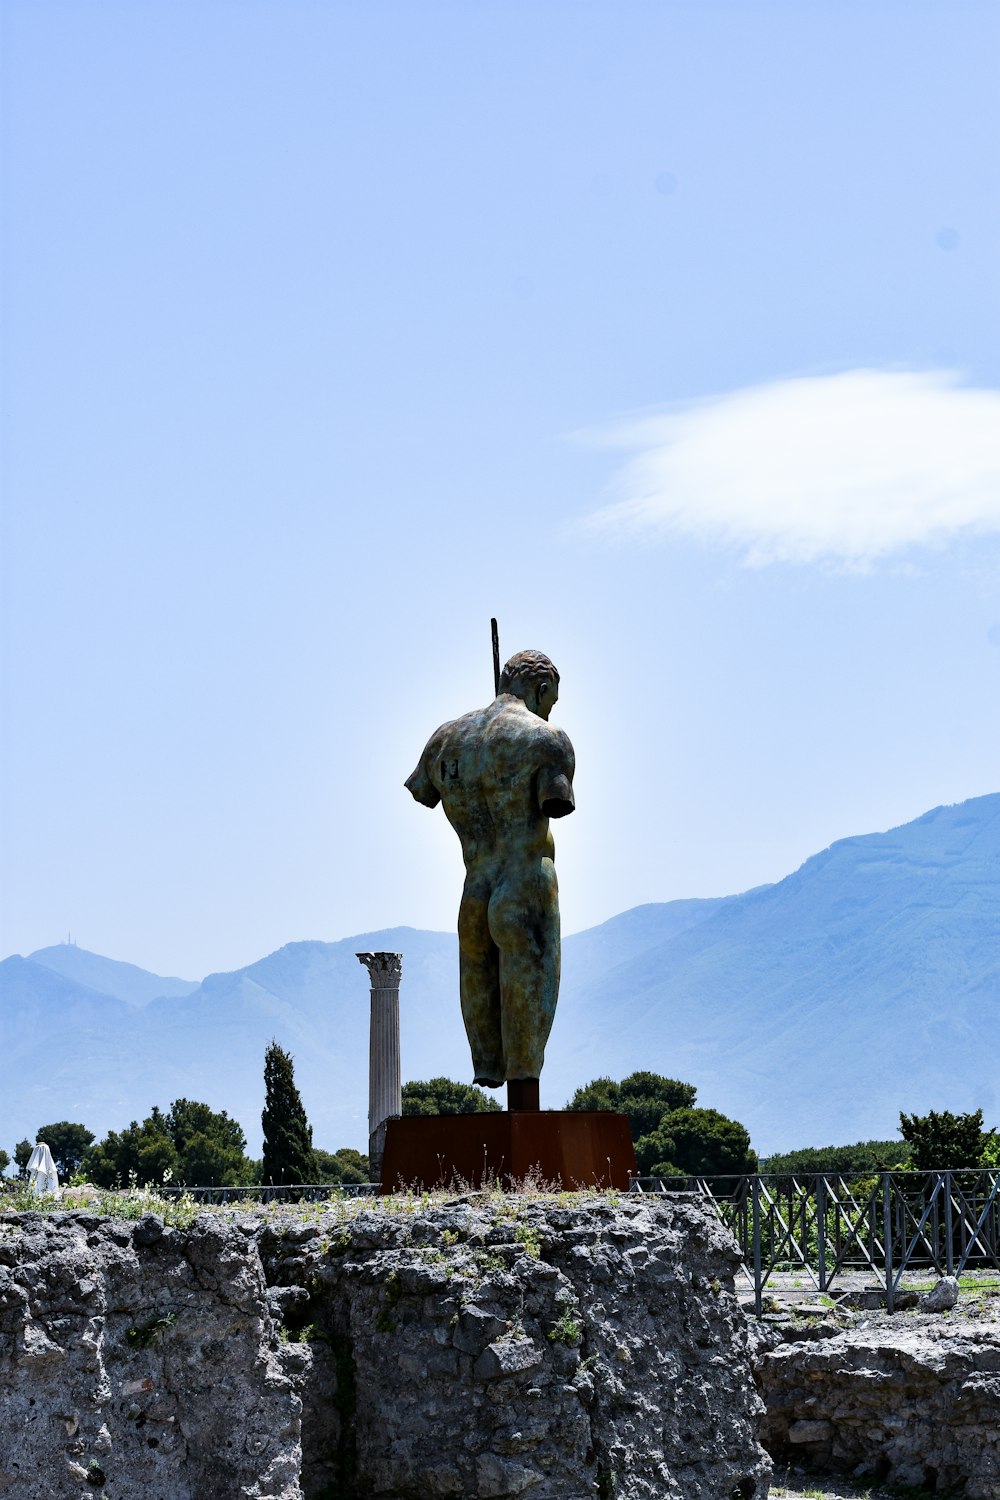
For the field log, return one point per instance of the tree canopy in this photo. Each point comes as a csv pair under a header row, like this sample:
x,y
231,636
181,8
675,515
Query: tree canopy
x,y
442,1096
345,1165
288,1144
191,1144
68,1143
672,1138
863,1156
144,1152
4,1162
210,1146
644,1097
943,1142
697,1143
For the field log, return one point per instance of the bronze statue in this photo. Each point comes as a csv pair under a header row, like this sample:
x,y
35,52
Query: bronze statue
x,y
501,773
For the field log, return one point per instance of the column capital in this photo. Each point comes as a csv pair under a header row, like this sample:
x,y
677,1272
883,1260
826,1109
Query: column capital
x,y
385,969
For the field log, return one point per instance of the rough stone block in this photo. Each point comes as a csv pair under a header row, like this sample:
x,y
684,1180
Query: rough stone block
x,y
479,1349
942,1296
911,1403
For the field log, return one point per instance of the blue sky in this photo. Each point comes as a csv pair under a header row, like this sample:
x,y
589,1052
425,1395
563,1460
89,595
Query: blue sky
x,y
668,333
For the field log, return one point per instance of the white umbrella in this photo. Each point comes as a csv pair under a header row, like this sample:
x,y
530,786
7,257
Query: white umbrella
x,y
42,1173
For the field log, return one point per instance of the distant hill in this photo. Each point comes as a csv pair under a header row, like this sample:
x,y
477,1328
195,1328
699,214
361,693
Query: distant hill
x,y
813,1010
108,975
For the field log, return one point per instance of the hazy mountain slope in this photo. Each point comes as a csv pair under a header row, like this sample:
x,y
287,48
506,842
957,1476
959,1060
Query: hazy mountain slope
x,y
634,932
42,1007
108,976
313,998
61,1051
814,1009
866,982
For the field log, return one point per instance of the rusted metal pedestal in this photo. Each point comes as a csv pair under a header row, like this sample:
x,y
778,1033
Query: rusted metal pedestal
x,y
569,1148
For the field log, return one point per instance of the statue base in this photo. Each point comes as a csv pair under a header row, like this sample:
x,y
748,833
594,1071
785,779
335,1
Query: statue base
x,y
568,1148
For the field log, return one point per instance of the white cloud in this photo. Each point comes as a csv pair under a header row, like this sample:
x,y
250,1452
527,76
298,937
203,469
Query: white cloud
x,y
847,467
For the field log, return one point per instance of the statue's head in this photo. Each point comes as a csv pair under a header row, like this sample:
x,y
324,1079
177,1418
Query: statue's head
x,y
530,675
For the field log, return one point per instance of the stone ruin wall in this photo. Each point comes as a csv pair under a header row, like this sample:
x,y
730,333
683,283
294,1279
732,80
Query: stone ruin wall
x,y
912,1400
484,1348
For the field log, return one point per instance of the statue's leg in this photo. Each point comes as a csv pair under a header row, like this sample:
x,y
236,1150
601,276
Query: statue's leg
x,y
524,921
479,978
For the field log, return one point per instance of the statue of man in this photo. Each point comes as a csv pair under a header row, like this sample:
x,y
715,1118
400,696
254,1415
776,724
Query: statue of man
x,y
501,773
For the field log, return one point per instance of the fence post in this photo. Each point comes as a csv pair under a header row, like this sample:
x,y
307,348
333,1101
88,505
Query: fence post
x,y
758,1298
949,1246
821,1230
887,1238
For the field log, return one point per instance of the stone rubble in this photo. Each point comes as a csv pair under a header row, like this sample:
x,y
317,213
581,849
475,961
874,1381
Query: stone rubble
x,y
941,1297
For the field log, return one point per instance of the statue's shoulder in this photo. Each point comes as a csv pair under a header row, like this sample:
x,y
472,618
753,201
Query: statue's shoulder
x,y
559,748
443,731
515,724
472,723
556,735
450,744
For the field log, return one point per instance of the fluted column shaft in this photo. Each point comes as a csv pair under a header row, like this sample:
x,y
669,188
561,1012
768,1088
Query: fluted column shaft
x,y
385,1100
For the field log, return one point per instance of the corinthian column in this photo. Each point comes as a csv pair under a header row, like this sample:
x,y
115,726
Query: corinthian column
x,y
385,1100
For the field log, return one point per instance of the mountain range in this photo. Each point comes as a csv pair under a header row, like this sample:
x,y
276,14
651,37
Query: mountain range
x,y
814,1009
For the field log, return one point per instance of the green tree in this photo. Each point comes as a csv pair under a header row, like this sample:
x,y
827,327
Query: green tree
x,y
4,1162
210,1147
943,1142
144,1151
196,1145
644,1097
863,1156
22,1151
695,1142
345,1165
442,1096
288,1146
68,1143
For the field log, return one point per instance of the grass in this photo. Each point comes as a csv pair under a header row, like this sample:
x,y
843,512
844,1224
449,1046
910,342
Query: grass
x,y
566,1329
965,1284
144,1335
133,1202
528,1236
791,1486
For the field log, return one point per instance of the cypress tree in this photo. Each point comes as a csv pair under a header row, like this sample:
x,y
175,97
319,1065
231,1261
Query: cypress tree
x,y
288,1147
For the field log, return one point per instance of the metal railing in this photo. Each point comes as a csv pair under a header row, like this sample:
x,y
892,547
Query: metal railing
x,y
878,1224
